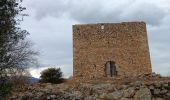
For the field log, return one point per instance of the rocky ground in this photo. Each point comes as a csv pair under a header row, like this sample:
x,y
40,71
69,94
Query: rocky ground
x,y
143,87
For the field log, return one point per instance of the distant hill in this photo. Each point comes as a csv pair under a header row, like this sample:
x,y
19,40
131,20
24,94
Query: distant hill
x,y
34,80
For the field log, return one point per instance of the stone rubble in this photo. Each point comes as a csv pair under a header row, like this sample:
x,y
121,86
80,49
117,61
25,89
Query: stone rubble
x,y
142,89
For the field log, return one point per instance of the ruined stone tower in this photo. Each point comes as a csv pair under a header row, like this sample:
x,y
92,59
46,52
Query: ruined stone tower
x,y
110,49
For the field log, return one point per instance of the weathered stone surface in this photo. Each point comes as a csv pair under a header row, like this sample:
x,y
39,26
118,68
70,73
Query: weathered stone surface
x,y
164,91
130,92
165,85
158,99
157,85
53,96
143,94
102,88
77,93
151,87
103,96
111,96
124,46
168,94
115,95
124,86
156,91
125,99
90,98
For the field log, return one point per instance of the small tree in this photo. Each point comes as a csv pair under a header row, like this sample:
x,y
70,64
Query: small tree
x,y
51,75
16,53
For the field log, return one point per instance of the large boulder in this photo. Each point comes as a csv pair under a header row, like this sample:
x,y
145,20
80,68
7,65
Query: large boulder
x,y
130,92
143,94
115,95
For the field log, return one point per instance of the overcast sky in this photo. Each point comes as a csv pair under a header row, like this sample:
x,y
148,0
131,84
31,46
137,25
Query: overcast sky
x,y
50,26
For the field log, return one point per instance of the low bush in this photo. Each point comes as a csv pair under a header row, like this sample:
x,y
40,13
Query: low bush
x,y
51,75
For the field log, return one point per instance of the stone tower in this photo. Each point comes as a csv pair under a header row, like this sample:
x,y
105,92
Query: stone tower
x,y
110,49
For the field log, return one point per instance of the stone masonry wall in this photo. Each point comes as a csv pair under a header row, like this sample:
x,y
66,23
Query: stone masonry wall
x,y
124,43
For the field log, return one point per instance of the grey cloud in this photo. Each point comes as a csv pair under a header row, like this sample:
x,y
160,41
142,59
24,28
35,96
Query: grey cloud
x,y
53,38
46,8
55,51
94,11
159,39
86,13
147,12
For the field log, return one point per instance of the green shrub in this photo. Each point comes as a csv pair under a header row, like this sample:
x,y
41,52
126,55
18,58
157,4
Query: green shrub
x,y
51,75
